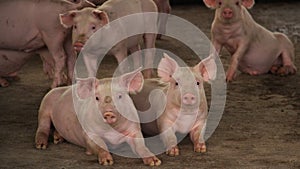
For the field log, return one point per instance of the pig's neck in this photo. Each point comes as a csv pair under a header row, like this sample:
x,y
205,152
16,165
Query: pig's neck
x,y
124,125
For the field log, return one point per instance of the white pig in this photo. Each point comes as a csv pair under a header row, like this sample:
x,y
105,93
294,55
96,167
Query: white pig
x,y
254,49
110,126
88,20
26,27
186,106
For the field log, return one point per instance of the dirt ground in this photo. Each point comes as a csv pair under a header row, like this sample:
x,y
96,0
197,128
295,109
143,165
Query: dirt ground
x,y
260,127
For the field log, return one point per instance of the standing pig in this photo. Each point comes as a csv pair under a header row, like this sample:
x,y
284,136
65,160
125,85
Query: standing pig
x,y
186,106
254,49
99,111
27,26
88,20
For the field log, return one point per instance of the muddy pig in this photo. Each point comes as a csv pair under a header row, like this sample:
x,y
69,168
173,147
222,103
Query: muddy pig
x,y
27,26
97,111
254,49
88,20
185,108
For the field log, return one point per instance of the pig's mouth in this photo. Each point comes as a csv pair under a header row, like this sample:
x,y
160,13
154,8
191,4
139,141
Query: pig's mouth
x,y
78,46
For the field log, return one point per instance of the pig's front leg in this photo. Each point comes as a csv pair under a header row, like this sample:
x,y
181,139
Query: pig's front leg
x,y
55,46
197,137
99,148
168,137
216,49
232,70
137,144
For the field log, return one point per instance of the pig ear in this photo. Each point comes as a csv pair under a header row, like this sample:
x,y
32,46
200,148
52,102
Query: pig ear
x,y
207,69
101,15
133,81
84,87
210,3
67,19
166,68
248,3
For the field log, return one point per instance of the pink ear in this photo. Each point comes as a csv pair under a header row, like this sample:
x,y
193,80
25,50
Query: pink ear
x,y
207,69
67,19
248,3
133,81
85,87
166,68
210,3
101,16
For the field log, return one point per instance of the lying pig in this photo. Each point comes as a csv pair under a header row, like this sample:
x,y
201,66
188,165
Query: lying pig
x,y
98,109
27,26
186,106
254,49
88,20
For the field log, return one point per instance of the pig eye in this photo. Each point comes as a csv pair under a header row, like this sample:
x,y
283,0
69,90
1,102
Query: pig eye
x,y
97,98
220,3
237,3
93,27
176,83
75,26
120,97
198,83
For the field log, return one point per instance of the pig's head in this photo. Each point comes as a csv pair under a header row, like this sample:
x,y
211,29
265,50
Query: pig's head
x,y
85,22
186,83
111,95
228,11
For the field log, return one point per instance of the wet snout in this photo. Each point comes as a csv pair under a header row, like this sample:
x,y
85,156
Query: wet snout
x,y
109,117
79,42
227,13
189,99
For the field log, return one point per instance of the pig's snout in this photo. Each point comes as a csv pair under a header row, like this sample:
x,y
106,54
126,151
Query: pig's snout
x,y
227,13
109,117
189,99
78,46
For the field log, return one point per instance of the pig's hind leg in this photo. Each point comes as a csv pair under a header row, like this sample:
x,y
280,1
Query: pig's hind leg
x,y
284,64
42,133
57,138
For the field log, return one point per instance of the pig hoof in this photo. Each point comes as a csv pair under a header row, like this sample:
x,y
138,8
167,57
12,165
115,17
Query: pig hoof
x,y
274,69
200,148
41,145
174,151
152,161
105,161
286,70
58,140
105,158
41,140
4,83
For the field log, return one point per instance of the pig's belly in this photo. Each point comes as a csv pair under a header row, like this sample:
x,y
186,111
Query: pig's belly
x,y
184,123
69,128
12,61
134,40
258,60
